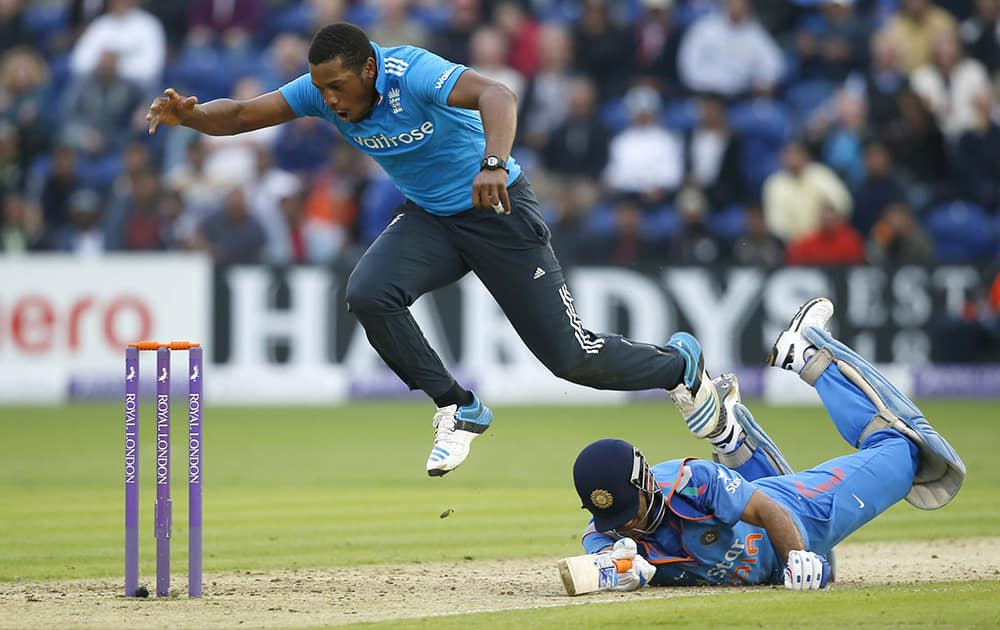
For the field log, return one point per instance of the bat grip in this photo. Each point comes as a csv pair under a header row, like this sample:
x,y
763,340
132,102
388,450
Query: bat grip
x,y
623,565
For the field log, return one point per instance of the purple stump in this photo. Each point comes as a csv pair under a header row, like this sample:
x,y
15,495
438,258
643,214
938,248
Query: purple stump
x,y
131,471
163,507
195,379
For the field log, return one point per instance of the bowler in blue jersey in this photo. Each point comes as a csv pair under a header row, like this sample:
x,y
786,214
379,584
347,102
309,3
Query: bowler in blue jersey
x,y
443,132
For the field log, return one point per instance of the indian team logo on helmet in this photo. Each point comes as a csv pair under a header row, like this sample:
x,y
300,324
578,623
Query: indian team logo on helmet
x,y
601,499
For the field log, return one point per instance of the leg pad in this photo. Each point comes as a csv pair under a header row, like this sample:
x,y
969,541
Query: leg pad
x,y
941,471
816,366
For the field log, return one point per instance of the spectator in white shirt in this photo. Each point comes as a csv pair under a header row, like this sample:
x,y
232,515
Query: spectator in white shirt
x,y
730,53
264,195
795,197
135,35
949,84
200,191
233,159
645,160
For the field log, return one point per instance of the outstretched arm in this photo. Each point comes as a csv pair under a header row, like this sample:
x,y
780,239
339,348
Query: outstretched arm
x,y
497,106
221,117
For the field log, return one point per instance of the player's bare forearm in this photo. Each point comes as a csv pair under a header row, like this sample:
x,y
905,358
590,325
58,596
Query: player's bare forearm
x,y
221,117
215,118
225,117
763,511
498,109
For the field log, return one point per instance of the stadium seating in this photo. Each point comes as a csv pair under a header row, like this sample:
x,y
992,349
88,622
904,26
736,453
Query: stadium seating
x,y
962,232
805,97
728,223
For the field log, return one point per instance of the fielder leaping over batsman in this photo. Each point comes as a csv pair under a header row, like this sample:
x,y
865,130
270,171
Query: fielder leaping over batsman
x,y
746,518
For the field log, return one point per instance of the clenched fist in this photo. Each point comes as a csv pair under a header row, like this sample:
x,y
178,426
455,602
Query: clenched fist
x,y
806,571
641,572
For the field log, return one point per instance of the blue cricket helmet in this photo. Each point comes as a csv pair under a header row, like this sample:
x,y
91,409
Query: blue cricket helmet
x,y
606,473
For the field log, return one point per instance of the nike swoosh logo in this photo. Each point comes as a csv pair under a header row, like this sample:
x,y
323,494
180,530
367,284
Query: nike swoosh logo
x,y
861,504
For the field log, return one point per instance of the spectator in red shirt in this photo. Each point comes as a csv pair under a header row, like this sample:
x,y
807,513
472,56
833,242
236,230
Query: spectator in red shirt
x,y
835,243
995,293
522,33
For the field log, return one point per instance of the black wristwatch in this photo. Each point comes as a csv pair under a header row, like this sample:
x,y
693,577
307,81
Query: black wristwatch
x,y
493,163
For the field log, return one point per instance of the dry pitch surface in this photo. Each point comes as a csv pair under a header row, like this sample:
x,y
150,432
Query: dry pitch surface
x,y
318,597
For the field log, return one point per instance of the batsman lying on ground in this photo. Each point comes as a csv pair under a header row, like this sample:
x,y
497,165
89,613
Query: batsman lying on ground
x,y
746,518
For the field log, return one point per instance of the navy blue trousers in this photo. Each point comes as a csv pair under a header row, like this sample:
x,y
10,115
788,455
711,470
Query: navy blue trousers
x,y
420,252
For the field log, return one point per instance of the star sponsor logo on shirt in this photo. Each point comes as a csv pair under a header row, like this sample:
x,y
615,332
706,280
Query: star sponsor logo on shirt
x,y
731,484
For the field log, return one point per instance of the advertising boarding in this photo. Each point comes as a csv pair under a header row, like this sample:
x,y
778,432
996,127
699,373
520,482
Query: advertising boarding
x,y
284,336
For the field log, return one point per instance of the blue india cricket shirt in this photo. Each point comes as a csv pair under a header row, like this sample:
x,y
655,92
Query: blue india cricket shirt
x,y
702,540
430,150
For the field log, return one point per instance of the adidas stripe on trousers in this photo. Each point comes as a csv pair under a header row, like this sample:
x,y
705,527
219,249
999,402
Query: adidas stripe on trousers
x,y
419,252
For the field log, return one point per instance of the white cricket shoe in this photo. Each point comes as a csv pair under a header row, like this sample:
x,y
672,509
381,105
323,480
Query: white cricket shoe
x,y
729,434
454,429
791,350
695,396
729,392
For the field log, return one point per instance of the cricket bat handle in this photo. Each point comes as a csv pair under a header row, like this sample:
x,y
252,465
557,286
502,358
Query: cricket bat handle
x,y
623,565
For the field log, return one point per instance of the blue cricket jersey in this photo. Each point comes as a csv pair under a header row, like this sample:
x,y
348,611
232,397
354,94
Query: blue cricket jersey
x,y
430,150
702,540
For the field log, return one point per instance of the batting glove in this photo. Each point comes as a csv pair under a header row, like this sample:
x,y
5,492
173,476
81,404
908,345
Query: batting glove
x,y
806,571
641,572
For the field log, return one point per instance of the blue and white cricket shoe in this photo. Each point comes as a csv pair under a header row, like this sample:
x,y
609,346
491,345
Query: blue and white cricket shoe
x,y
454,429
791,350
695,396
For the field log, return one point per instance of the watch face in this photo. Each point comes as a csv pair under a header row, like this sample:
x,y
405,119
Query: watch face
x,y
493,161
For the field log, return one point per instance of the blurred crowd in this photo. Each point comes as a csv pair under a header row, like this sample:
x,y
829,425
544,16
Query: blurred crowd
x,y
815,132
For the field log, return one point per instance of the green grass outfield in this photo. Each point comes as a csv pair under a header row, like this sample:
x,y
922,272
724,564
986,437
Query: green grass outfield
x,y
288,488
943,605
